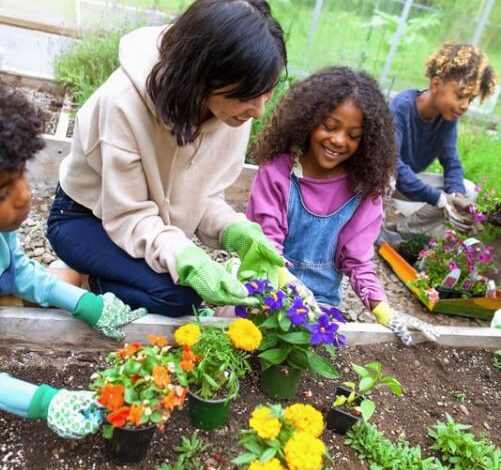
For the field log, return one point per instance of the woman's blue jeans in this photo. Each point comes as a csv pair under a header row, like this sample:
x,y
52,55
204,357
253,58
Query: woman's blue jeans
x,y
79,239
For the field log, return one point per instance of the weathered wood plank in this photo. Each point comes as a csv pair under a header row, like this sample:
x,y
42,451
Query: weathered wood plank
x,y
58,329
51,28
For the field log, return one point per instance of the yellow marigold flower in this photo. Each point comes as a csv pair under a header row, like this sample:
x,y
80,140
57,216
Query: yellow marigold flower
x,y
187,335
304,452
273,464
266,426
305,418
244,334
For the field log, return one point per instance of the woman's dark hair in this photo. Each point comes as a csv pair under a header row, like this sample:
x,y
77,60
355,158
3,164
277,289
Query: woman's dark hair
x,y
310,101
20,128
214,44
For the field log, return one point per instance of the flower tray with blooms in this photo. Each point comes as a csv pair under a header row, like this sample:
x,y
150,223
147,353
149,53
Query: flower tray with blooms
x,y
450,252
143,385
283,439
291,330
488,204
216,356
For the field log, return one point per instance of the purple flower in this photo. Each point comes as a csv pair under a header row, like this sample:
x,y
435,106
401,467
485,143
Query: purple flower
x,y
298,312
275,301
479,217
323,331
452,265
333,313
478,188
339,340
257,286
484,258
241,311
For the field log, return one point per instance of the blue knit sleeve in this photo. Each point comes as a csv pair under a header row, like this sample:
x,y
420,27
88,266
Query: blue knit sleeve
x,y
15,395
449,159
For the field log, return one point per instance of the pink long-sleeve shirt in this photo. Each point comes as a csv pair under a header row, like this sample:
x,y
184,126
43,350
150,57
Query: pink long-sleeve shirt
x,y
268,206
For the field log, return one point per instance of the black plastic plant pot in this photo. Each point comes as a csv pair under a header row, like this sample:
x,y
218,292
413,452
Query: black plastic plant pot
x,y
339,420
407,255
448,293
130,445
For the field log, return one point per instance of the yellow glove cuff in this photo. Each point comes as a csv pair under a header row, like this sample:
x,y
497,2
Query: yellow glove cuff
x,y
284,277
382,312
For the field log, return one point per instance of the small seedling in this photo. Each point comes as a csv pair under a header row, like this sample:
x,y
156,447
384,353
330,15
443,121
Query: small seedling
x,y
371,377
457,396
189,454
497,359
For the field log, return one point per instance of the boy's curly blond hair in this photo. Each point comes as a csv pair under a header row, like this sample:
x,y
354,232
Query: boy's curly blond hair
x,y
465,63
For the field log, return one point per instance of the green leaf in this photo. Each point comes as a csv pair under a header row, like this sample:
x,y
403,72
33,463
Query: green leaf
x,y
130,396
210,381
367,408
275,355
242,459
339,401
393,384
366,384
284,322
252,446
108,431
156,416
270,322
361,371
268,454
375,366
268,342
320,366
297,337
298,359
132,367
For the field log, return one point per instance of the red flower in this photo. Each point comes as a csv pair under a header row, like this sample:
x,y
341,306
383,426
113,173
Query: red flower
x,y
129,350
119,417
111,396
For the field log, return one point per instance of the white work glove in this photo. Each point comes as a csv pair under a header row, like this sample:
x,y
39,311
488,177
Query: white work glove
x,y
401,323
455,207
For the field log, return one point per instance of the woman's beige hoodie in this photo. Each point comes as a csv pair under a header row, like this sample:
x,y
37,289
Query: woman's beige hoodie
x,y
124,165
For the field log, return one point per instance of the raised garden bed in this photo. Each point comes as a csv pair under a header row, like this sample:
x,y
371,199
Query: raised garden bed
x,y
432,378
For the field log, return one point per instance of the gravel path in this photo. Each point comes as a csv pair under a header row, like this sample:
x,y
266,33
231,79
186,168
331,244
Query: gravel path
x,y
32,235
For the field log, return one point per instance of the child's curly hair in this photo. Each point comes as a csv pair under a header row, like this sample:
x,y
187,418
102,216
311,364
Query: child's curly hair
x,y
465,63
20,128
310,101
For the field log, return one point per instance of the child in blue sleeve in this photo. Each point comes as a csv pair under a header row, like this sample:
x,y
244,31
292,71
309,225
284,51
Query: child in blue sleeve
x,y
70,414
427,128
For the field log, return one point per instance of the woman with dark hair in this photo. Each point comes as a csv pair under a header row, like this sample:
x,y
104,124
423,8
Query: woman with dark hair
x,y
153,151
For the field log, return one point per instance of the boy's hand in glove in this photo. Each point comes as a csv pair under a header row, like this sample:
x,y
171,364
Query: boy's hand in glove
x,y
106,313
210,279
400,324
254,249
72,415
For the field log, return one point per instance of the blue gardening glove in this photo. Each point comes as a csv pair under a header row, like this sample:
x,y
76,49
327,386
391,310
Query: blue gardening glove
x,y
72,415
210,279
255,251
400,323
106,313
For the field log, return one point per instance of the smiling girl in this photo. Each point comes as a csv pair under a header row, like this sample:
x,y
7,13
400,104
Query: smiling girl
x,y
326,157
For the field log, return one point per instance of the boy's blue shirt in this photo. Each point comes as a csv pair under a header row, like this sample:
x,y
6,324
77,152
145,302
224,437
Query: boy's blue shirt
x,y
419,142
30,279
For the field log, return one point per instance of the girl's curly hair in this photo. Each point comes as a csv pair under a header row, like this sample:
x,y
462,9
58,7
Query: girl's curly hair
x,y
465,63
20,127
310,101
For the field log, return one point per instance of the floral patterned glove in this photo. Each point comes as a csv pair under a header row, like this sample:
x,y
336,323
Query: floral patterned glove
x,y
400,323
106,313
72,415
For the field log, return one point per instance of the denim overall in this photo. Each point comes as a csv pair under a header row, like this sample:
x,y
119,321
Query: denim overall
x,y
311,244
8,277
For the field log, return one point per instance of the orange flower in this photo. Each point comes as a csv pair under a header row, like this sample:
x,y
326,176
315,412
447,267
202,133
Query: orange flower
x,y
189,355
111,396
136,411
129,350
188,366
119,417
173,399
161,376
159,341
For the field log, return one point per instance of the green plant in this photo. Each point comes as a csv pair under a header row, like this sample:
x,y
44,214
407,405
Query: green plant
x,y
143,385
283,438
290,330
189,453
461,449
89,63
497,359
414,245
457,396
381,453
215,357
371,377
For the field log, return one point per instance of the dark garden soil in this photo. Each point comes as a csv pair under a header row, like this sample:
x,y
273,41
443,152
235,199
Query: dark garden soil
x,y
428,373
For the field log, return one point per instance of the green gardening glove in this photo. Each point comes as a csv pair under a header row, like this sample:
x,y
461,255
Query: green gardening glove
x,y
106,313
72,415
256,252
211,281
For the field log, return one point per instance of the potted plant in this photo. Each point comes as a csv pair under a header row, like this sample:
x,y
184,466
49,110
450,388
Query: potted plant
x,y
290,332
215,358
283,439
351,402
410,249
142,387
454,266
